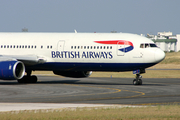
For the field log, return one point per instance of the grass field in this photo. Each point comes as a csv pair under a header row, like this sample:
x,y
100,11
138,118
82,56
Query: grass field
x,y
148,74
167,112
171,61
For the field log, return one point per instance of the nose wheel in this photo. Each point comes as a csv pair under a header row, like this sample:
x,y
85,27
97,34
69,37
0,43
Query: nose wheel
x,y
138,80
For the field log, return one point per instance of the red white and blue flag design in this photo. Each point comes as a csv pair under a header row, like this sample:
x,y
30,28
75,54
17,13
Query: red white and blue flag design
x,y
128,46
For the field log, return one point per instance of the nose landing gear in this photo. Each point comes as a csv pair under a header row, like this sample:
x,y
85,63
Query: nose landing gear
x,y
138,80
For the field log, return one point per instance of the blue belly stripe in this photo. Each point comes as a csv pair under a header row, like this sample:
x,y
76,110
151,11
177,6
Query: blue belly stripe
x,y
90,66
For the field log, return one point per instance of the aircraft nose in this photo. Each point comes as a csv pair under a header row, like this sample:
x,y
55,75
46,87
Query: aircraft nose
x,y
159,55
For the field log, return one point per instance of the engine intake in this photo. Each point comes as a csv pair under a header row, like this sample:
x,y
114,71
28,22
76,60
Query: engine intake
x,y
74,74
11,70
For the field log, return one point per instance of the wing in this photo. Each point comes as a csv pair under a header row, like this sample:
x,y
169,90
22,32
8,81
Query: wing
x,y
26,59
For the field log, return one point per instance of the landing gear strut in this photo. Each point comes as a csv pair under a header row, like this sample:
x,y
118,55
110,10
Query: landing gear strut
x,y
28,78
138,80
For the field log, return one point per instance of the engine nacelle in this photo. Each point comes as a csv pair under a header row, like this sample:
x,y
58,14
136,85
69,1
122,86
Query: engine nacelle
x,y
11,70
74,74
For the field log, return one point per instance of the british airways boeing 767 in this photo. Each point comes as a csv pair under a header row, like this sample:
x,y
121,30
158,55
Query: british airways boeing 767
x,y
75,54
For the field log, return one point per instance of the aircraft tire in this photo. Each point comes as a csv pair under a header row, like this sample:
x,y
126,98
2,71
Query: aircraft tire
x,y
139,82
28,79
20,81
33,79
135,82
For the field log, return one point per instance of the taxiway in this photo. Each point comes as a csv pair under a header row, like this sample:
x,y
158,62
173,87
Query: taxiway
x,y
53,89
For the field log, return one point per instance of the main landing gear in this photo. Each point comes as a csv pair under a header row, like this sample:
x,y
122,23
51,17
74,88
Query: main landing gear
x,y
28,78
138,80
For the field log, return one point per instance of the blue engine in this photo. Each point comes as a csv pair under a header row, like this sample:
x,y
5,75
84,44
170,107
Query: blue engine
x,y
11,70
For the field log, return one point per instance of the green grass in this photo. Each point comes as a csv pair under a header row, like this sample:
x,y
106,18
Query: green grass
x,y
172,58
148,74
167,112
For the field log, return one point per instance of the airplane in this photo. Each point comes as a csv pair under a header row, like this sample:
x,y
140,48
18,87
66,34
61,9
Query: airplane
x,y
75,54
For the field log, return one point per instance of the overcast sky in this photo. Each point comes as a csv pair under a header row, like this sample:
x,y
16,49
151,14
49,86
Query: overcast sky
x,y
131,16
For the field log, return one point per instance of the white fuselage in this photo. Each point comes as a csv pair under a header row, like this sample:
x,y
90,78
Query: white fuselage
x,y
82,51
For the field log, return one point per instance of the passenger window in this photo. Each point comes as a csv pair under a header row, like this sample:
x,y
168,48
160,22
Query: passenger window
x,y
94,47
87,47
111,47
74,47
41,46
84,47
51,47
71,47
1,46
97,47
35,46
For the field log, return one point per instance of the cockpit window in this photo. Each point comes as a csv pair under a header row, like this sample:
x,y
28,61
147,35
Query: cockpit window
x,y
147,45
153,45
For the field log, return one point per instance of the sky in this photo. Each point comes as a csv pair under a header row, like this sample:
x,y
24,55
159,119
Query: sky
x,y
129,16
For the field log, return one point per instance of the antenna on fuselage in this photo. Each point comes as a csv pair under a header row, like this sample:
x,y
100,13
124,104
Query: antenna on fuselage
x,y
75,31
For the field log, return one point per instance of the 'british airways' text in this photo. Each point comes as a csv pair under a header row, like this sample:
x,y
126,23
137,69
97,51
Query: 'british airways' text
x,y
77,54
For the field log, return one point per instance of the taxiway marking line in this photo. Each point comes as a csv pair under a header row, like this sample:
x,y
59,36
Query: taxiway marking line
x,y
116,91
